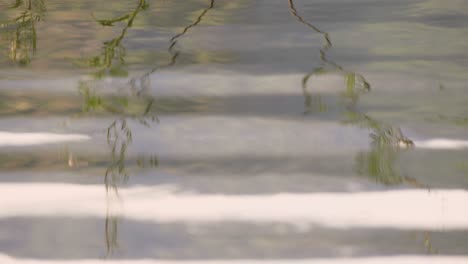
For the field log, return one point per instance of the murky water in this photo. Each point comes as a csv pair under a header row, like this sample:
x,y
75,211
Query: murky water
x,y
170,131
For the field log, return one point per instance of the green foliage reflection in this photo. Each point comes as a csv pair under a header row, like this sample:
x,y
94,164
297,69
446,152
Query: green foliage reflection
x,y
111,61
386,143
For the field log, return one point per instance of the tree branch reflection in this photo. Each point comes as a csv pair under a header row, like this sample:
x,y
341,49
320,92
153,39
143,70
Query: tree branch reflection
x,y
386,141
111,62
134,106
142,83
355,83
21,31
386,144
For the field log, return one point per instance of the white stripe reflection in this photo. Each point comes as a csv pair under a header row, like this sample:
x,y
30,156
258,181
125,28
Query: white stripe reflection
x,y
29,139
442,143
400,209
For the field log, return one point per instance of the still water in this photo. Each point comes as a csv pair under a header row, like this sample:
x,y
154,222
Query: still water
x,y
267,131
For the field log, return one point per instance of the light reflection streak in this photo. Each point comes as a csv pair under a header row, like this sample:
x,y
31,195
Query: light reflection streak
x,y
399,209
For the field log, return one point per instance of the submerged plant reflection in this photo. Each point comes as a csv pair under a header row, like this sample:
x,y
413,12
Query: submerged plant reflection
x,y
21,30
119,138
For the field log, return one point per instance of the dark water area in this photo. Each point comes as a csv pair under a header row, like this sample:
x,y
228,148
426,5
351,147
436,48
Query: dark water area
x,y
170,131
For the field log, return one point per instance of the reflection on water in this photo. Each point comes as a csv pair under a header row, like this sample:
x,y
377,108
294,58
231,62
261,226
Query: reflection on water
x,y
428,244
119,134
111,61
21,30
142,83
386,144
355,83
30,139
231,146
135,105
386,140
437,210
369,260
458,120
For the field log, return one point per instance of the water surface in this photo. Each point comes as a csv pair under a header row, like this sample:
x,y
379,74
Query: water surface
x,y
269,130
